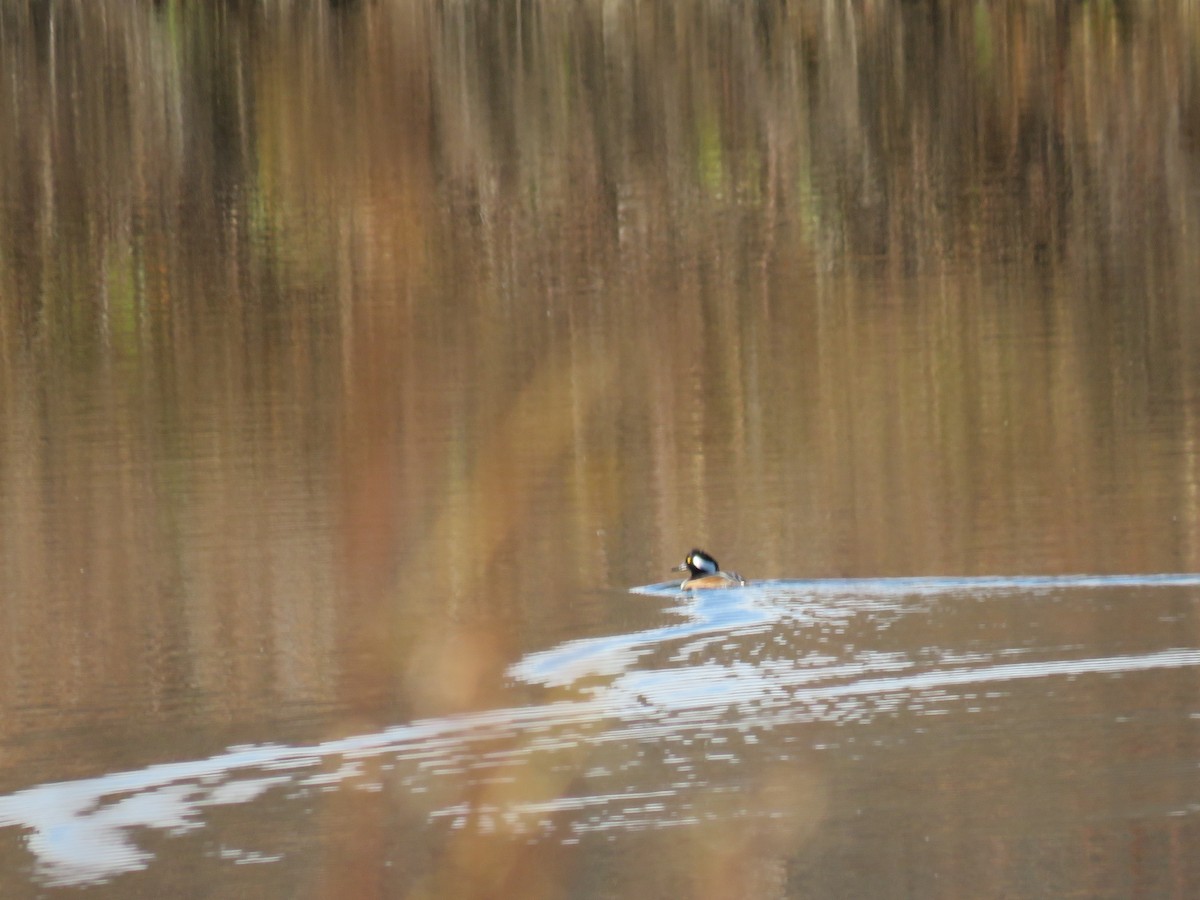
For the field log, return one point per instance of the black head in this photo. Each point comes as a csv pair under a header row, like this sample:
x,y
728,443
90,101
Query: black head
x,y
698,564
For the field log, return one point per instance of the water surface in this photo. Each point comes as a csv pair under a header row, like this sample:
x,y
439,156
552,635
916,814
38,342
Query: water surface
x,y
356,359
773,734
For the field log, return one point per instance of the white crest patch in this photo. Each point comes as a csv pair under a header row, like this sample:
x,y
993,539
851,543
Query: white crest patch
x,y
703,563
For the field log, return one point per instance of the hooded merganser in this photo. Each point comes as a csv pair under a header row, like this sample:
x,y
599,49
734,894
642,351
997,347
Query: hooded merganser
x,y
703,572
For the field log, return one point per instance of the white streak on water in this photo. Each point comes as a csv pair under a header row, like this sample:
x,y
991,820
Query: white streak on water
x,y
82,832
930,586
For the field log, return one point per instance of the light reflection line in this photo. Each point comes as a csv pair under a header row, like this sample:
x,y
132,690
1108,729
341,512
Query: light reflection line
x,y
714,615
81,831
942,584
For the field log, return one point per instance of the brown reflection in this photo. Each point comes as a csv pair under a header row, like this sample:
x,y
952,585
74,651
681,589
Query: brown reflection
x,y
347,351
714,860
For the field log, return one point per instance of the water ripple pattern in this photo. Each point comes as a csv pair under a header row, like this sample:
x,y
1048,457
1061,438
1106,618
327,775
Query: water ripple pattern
x,y
643,729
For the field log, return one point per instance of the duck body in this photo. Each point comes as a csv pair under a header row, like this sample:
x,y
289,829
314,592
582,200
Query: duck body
x,y
703,572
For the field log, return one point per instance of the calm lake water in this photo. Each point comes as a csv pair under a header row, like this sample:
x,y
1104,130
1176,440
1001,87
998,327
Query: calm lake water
x,y
366,366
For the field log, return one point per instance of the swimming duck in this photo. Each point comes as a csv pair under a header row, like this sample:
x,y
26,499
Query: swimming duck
x,y
703,572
